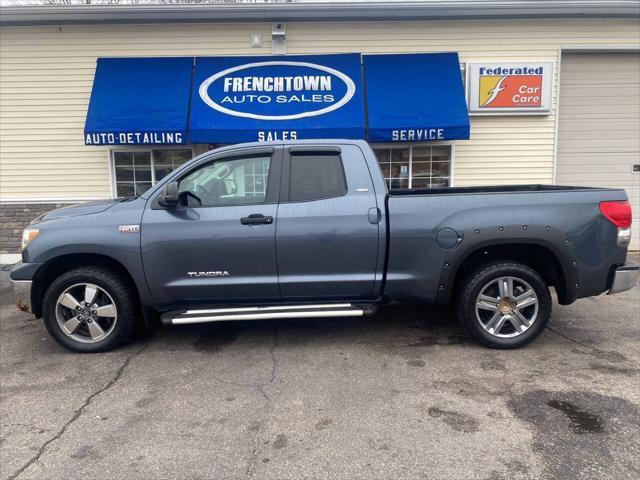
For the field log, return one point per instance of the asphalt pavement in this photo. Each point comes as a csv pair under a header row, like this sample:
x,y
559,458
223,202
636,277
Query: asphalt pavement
x,y
400,395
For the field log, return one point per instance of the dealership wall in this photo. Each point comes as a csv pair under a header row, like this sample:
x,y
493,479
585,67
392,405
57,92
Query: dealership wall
x,y
46,76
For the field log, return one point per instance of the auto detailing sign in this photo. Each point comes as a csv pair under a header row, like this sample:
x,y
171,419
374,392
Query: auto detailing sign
x,y
509,88
239,99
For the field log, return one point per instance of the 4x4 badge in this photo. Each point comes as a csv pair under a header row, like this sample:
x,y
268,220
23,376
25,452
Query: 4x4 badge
x,y
129,228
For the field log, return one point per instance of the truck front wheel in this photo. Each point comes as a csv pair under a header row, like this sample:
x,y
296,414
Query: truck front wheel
x,y
89,309
504,305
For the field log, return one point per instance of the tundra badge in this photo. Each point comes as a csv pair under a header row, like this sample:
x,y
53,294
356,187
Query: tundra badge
x,y
218,273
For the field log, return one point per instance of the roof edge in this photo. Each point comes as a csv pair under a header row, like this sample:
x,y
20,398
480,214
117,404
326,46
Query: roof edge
x,y
317,11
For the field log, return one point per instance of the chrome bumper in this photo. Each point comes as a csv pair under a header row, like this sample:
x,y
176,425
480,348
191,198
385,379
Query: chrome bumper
x,y
624,278
22,294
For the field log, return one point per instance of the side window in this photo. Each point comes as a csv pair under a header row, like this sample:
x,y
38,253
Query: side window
x,y
235,181
314,176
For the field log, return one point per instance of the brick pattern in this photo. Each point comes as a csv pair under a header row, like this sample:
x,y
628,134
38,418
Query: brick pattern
x,y
14,217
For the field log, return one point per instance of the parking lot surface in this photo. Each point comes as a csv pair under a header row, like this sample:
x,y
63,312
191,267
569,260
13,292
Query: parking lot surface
x,y
402,394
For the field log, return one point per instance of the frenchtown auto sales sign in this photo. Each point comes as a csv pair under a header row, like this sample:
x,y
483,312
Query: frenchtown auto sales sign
x,y
277,98
311,91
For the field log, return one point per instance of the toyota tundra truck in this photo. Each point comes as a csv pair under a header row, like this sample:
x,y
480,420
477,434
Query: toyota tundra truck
x,y
308,229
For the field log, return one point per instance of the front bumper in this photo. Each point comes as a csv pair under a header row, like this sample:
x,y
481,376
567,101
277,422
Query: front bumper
x,y
624,278
22,294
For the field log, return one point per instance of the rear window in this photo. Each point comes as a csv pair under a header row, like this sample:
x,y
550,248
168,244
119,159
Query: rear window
x,y
314,176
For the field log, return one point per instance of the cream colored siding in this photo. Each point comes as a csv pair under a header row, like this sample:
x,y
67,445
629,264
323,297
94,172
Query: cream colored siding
x,y
502,150
599,127
46,75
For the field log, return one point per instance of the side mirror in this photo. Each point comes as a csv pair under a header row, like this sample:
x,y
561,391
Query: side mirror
x,y
169,197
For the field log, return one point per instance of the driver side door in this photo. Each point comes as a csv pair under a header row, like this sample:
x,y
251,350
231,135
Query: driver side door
x,y
218,245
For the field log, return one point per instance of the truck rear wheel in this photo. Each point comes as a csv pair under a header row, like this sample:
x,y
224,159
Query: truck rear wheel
x,y
504,305
89,309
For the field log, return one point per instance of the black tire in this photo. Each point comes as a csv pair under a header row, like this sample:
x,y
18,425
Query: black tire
x,y
110,282
478,280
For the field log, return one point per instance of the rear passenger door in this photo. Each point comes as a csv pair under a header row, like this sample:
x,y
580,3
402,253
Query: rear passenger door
x,y
327,225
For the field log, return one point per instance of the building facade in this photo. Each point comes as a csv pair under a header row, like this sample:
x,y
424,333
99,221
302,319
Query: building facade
x,y
588,134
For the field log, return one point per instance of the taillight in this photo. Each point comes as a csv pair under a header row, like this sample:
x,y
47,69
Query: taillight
x,y
618,213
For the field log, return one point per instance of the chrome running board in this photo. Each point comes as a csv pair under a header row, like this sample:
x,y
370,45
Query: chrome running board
x,y
262,313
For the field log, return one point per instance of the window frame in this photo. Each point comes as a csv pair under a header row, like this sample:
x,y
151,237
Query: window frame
x,y
411,145
138,149
273,179
268,186
285,194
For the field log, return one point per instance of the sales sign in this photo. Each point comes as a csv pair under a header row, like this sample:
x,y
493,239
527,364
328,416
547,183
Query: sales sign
x,y
509,88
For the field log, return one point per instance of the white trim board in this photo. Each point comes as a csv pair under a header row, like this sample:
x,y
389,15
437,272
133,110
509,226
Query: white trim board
x,y
598,48
9,258
556,111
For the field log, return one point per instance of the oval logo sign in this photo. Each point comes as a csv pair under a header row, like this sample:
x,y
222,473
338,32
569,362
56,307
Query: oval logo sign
x,y
277,90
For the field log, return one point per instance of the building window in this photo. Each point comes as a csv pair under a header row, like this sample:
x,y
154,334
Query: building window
x,y
415,166
256,174
138,170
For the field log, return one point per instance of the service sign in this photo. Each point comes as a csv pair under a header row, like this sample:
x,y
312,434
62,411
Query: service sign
x,y
506,88
239,99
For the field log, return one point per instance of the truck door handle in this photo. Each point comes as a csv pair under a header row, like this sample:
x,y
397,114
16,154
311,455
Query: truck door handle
x,y
256,219
374,215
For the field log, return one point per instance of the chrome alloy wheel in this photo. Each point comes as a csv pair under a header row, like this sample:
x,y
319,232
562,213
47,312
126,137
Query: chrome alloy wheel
x,y
507,307
86,313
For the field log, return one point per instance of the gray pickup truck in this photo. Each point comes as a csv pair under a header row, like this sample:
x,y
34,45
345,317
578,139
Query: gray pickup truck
x,y
308,229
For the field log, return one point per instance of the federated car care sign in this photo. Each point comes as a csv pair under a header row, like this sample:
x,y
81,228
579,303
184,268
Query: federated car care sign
x,y
508,88
236,99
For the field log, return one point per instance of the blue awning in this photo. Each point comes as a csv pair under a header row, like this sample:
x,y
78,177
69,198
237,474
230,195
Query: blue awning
x,y
415,97
240,99
139,101
145,101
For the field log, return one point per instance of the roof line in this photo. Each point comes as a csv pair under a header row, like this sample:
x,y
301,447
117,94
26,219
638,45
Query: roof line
x,y
318,11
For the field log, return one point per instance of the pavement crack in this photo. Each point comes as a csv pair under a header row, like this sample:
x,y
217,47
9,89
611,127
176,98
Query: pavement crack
x,y
571,339
77,414
590,347
260,387
274,360
254,453
272,376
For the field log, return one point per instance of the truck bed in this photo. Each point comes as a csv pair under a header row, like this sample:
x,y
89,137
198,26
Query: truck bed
x,y
491,189
432,228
